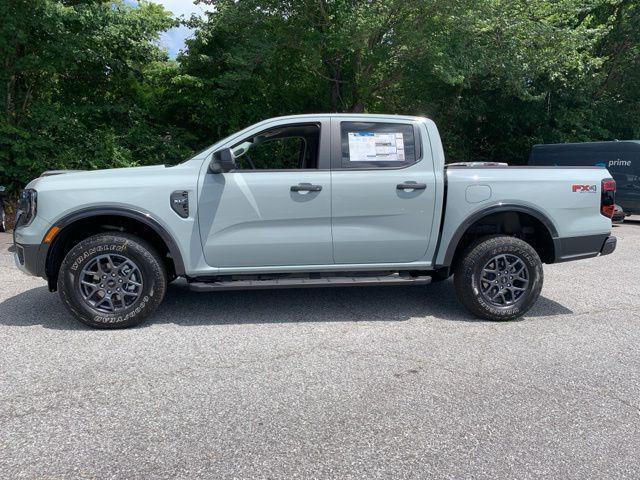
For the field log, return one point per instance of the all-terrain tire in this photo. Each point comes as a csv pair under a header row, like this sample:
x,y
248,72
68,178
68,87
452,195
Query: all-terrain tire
x,y
126,267
472,287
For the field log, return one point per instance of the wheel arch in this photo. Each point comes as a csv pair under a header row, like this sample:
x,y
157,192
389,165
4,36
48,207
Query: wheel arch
x,y
131,216
549,230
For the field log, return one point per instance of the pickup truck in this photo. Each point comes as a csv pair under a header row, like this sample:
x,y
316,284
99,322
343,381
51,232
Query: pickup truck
x,y
310,200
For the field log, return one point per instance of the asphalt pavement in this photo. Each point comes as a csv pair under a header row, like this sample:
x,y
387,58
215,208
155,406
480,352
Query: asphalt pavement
x,y
367,383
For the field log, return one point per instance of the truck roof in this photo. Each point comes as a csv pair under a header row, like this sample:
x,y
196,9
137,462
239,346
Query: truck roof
x,y
372,116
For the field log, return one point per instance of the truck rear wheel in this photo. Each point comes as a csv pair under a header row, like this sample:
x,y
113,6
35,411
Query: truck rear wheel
x,y
499,278
112,280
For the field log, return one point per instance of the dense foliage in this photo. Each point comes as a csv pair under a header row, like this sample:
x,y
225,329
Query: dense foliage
x,y
84,84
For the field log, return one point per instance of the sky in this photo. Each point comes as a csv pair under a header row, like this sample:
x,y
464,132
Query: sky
x,y
173,39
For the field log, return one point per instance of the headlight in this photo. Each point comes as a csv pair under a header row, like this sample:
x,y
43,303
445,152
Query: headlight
x,y
27,206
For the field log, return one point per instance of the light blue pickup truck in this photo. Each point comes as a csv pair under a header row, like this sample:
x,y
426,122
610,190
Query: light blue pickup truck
x,y
304,201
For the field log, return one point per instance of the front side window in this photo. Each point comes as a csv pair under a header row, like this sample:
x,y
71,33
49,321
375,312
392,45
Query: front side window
x,y
290,147
376,145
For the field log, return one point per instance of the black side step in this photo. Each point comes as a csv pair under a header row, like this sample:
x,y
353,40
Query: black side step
x,y
286,282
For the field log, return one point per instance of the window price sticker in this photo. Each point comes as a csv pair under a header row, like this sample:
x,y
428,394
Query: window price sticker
x,y
376,147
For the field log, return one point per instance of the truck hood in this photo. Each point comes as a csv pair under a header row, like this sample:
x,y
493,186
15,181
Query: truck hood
x,y
48,173
72,177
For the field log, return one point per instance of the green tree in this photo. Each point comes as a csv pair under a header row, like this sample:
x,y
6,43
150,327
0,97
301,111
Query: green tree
x,y
84,84
72,86
497,75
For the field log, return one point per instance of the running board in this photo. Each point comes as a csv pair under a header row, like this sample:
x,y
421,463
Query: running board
x,y
288,282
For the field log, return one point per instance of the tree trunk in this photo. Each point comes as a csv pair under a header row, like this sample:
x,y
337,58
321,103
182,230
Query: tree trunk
x,y
335,91
10,109
358,107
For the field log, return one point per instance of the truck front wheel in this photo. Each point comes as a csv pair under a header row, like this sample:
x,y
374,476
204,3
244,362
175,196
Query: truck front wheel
x,y
499,278
112,280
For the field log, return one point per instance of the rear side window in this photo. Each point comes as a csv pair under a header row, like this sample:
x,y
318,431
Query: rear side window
x,y
377,145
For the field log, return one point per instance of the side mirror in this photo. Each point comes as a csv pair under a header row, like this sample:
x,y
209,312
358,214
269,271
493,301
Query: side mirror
x,y
222,161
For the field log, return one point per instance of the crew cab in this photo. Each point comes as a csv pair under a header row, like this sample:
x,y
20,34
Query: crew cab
x,y
304,201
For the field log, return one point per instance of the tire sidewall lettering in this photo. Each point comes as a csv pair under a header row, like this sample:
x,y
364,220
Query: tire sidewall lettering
x,y
118,319
87,254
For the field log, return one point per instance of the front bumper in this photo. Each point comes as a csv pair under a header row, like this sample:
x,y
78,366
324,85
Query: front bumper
x,y
579,248
30,254
30,259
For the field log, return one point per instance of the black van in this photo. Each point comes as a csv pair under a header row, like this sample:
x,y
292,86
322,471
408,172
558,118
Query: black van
x,y
622,158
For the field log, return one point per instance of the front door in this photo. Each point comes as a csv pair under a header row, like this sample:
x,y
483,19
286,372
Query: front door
x,y
383,190
275,209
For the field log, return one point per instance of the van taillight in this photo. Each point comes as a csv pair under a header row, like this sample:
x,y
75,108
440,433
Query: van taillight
x,y
607,197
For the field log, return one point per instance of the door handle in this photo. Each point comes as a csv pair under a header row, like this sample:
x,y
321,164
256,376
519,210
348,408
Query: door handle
x,y
411,186
306,187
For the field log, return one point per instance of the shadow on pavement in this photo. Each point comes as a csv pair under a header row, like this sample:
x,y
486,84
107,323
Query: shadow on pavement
x,y
183,307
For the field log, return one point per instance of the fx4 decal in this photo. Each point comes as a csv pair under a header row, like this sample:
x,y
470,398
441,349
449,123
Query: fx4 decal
x,y
584,188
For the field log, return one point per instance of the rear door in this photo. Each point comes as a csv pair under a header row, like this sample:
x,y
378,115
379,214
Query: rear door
x,y
383,192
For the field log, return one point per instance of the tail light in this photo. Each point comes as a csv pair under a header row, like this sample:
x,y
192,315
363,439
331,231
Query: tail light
x,y
607,197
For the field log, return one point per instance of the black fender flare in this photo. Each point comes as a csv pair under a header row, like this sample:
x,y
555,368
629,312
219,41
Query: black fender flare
x,y
490,210
139,215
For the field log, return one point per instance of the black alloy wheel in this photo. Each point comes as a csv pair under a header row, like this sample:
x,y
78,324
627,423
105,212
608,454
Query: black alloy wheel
x,y
504,280
110,282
